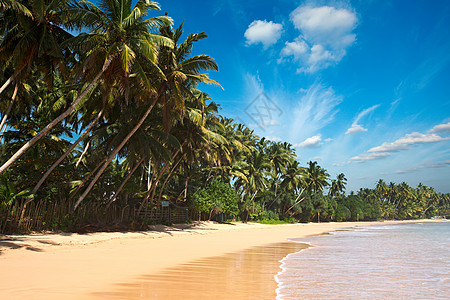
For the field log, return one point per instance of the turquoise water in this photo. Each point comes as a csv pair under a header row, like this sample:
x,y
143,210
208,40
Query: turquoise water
x,y
407,261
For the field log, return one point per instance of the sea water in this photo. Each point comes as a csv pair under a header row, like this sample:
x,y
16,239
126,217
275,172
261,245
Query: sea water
x,y
406,261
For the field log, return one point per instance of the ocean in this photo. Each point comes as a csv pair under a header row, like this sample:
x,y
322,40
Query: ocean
x,y
406,261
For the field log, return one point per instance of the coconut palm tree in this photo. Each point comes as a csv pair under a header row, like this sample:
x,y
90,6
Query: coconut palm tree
x,y
316,178
119,40
178,74
294,179
338,185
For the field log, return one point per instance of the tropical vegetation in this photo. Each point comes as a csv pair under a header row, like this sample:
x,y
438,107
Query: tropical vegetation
x,y
104,119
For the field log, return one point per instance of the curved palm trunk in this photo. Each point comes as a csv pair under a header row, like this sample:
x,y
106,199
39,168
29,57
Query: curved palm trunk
x,y
152,190
124,182
10,79
56,163
297,201
168,177
82,154
61,117
114,153
251,200
86,179
8,110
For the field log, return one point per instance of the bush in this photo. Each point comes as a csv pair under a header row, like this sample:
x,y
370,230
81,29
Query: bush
x,y
216,197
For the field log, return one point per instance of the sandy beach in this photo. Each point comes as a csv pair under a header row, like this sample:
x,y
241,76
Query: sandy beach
x,y
114,265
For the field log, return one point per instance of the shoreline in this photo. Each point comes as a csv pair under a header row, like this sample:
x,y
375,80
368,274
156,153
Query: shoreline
x,y
76,266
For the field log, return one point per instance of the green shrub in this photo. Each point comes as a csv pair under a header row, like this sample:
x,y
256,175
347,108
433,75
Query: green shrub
x,y
216,197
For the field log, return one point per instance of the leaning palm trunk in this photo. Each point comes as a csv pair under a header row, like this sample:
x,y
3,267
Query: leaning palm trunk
x,y
296,201
82,154
251,200
152,190
114,153
61,117
124,182
169,176
8,110
86,179
56,163
10,79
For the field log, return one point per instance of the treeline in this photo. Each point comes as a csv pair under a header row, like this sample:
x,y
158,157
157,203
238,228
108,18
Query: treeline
x,y
115,117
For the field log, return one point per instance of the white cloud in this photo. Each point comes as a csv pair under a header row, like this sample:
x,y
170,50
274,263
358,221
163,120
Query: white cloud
x,y
356,128
326,25
367,157
297,48
442,128
310,142
403,143
263,32
325,34
313,111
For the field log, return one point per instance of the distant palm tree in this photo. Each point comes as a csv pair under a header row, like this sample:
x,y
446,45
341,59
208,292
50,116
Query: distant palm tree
x,y
338,185
316,178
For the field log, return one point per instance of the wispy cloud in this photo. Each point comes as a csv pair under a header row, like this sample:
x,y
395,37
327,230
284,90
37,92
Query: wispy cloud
x,y
311,142
437,59
313,111
356,128
441,164
325,34
368,157
266,33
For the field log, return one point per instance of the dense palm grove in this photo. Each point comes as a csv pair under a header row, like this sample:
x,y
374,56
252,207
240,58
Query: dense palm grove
x,y
114,117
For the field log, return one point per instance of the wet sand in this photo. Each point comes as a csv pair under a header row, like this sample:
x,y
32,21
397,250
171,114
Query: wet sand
x,y
126,265
247,274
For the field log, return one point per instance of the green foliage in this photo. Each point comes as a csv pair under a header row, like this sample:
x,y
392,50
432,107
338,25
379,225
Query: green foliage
x,y
216,197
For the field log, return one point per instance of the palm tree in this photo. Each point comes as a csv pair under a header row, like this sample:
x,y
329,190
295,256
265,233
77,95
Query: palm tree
x,y
338,185
280,154
316,178
120,37
294,180
32,39
177,76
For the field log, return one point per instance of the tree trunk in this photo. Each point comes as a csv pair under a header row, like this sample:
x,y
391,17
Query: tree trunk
x,y
124,182
149,183
170,173
251,200
10,79
295,202
56,163
82,154
61,117
114,153
151,191
86,179
8,110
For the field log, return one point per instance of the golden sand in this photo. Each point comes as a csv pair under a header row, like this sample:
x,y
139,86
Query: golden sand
x,y
127,265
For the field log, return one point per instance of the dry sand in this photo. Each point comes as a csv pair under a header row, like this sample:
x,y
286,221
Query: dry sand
x,y
115,265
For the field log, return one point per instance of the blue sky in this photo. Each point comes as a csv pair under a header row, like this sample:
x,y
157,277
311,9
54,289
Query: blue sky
x,y
363,87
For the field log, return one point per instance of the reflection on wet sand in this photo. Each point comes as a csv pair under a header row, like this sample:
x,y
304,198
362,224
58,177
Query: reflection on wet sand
x,y
248,274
